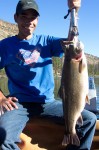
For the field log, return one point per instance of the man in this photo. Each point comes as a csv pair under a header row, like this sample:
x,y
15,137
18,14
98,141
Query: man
x,y
27,59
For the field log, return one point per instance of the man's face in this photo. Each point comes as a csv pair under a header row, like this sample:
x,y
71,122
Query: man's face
x,y
27,22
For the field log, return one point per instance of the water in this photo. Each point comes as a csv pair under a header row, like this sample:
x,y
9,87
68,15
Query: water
x,y
3,85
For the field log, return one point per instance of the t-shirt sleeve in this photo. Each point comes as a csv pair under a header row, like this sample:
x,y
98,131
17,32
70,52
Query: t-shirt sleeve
x,y
55,45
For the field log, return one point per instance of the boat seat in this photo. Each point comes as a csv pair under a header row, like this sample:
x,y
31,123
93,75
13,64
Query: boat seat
x,y
42,134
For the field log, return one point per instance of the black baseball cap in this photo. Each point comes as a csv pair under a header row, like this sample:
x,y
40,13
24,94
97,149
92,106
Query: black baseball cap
x,y
26,4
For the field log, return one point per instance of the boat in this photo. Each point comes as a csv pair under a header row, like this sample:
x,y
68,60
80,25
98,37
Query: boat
x,y
43,134
92,96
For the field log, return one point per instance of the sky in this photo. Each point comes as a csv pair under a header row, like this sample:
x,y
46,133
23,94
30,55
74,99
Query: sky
x,y
52,22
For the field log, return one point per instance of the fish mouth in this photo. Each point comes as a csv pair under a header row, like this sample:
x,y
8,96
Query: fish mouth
x,y
78,57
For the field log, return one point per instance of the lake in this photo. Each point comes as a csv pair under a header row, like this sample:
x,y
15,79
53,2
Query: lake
x,y
3,85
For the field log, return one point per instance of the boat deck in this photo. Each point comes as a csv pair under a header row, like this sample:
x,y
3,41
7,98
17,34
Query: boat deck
x,y
44,135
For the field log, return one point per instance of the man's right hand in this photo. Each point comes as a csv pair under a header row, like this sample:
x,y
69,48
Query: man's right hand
x,y
7,103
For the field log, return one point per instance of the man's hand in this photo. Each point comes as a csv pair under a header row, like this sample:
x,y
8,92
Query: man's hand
x,y
7,103
74,3
67,44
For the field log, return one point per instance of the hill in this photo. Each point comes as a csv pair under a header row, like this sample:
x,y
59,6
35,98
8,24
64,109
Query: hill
x,y
7,29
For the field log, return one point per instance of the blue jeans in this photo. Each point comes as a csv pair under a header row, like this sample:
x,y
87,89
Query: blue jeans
x,y
13,123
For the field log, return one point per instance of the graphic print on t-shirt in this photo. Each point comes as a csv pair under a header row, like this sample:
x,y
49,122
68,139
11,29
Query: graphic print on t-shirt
x,y
28,57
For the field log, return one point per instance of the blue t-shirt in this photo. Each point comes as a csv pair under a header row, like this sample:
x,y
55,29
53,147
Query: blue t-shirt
x,y
28,65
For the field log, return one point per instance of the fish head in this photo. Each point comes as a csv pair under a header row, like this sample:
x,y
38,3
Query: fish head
x,y
75,51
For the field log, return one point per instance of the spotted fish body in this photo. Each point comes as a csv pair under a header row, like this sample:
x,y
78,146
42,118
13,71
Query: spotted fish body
x,y
73,92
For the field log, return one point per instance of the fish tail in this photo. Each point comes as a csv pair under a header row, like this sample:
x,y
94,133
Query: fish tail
x,y
71,139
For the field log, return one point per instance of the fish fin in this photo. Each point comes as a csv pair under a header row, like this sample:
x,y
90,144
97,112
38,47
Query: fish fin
x,y
80,120
87,99
71,139
80,66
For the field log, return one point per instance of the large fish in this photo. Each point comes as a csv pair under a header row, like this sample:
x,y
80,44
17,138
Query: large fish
x,y
73,92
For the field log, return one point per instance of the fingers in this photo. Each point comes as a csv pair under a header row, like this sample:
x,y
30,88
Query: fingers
x,y
8,104
11,103
13,99
65,44
77,45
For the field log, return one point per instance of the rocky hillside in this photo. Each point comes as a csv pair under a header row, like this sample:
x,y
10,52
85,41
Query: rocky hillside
x,y
8,29
92,59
